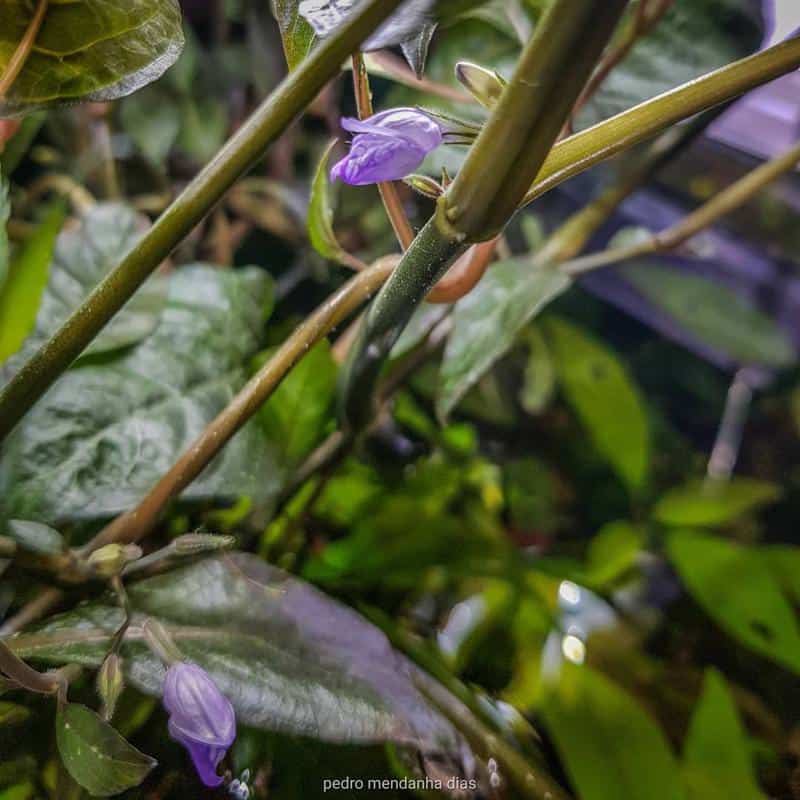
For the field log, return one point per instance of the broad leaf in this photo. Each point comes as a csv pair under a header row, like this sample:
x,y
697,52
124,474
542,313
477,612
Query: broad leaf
x,y
107,431
295,416
96,756
669,55
83,256
539,378
612,552
21,295
784,561
714,502
611,748
296,33
34,536
320,212
716,757
714,314
88,50
736,589
488,320
289,658
598,386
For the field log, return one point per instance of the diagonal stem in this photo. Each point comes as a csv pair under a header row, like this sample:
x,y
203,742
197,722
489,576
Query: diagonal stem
x,y
20,55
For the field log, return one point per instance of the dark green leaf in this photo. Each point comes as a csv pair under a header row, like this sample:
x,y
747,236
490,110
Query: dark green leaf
x,y
296,33
96,756
539,378
488,320
669,55
13,714
611,747
736,589
320,212
612,552
21,296
289,658
598,386
784,561
714,502
294,418
106,432
83,256
34,536
88,50
716,756
714,314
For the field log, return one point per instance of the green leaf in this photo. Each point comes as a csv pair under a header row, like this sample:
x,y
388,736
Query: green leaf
x,y
35,537
107,431
714,314
714,503
612,552
289,658
20,297
599,388
488,320
669,55
96,756
5,213
82,257
612,749
734,586
297,35
296,415
88,50
320,213
716,756
784,562
13,713
152,119
539,378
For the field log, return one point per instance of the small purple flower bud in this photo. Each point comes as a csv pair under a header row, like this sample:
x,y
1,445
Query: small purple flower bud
x,y
201,718
387,146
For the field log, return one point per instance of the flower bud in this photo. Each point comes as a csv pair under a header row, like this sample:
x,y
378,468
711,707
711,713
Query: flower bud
x,y
201,718
483,84
108,561
193,543
424,185
110,683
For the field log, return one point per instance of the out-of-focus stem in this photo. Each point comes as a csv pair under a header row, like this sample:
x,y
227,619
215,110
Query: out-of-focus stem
x,y
726,201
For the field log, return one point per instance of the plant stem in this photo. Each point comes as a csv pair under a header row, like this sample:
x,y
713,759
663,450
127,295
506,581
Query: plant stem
x,y
45,601
388,191
136,524
27,677
726,201
506,156
598,143
20,55
246,146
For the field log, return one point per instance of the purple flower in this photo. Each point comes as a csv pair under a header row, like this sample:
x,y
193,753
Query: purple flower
x,y
387,146
201,718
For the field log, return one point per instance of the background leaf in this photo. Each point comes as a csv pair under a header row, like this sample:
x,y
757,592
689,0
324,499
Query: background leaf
x,y
96,756
735,588
597,385
714,314
5,212
487,321
89,50
714,502
611,747
21,295
107,431
296,34
289,658
716,757
320,212
35,537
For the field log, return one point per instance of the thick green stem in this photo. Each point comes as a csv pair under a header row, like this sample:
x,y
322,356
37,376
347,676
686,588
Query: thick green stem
x,y
509,152
640,123
235,158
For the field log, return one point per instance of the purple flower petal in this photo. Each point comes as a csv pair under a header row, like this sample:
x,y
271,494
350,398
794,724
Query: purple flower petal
x,y
202,719
388,146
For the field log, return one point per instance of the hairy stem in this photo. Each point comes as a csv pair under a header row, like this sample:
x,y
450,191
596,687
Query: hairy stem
x,y
20,55
136,524
706,215
236,157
